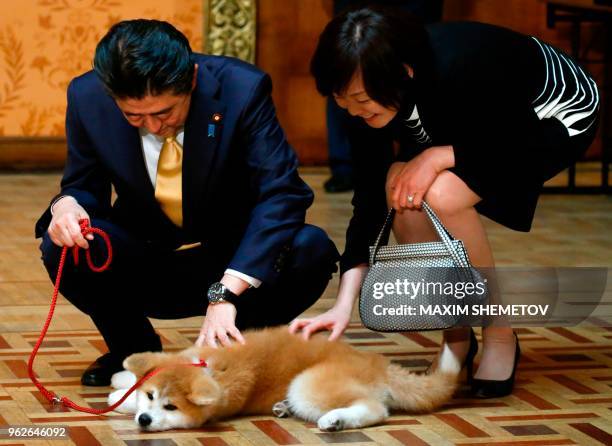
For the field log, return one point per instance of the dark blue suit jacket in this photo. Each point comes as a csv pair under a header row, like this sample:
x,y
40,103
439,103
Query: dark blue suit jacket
x,y
242,196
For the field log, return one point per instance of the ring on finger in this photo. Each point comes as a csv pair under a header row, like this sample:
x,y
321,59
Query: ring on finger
x,y
410,198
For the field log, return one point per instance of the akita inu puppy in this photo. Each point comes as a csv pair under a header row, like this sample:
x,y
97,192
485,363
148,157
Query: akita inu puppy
x,y
329,383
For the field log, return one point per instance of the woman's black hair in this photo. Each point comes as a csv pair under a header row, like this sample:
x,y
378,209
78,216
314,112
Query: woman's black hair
x,y
379,42
144,57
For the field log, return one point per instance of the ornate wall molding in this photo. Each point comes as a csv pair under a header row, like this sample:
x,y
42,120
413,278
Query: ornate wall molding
x,y
230,28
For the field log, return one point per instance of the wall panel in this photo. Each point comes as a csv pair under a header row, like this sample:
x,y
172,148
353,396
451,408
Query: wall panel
x,y
44,43
287,36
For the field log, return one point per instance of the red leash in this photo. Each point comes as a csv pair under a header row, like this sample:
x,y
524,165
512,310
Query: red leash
x,y
52,397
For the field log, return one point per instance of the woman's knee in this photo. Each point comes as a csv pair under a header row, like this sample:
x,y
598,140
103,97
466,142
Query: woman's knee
x,y
449,195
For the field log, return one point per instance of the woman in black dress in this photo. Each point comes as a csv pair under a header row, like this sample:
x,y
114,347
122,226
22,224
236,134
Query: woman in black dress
x,y
470,117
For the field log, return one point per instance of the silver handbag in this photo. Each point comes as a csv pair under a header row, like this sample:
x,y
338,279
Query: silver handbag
x,y
421,286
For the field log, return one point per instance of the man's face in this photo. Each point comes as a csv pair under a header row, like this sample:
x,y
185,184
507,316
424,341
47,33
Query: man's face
x,y
161,115
357,102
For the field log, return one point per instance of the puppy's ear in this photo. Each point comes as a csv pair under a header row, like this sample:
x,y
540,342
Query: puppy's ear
x,y
141,363
204,390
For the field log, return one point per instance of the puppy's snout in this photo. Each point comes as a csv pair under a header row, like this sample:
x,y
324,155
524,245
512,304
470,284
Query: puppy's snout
x,y
144,420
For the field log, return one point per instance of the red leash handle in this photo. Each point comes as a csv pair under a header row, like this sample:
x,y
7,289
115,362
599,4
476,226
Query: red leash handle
x,y
86,229
50,396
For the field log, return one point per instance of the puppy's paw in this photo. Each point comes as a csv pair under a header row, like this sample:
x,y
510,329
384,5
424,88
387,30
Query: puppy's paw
x,y
281,409
123,380
128,406
331,422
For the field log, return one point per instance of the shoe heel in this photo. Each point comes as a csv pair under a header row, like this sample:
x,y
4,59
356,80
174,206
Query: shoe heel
x,y
488,388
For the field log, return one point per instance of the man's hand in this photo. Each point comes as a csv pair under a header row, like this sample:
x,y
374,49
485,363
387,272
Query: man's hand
x,y
64,229
220,321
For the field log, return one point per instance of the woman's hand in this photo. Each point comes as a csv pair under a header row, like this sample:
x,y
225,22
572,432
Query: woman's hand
x,y
412,182
336,320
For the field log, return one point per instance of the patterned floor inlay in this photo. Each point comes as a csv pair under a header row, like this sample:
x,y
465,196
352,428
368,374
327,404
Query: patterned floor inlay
x,y
563,394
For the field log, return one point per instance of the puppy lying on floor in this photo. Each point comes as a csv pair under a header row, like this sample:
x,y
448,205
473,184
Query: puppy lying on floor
x,y
329,383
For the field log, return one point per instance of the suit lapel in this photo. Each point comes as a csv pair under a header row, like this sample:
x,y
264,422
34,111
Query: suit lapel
x,y
202,134
128,148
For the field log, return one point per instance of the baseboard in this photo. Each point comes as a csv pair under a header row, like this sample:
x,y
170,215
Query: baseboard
x,y
32,153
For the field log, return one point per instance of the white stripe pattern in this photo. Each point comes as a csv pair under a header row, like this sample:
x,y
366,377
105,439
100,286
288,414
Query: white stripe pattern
x,y
416,128
569,94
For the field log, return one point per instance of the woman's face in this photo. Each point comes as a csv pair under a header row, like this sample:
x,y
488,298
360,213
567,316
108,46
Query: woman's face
x,y
357,102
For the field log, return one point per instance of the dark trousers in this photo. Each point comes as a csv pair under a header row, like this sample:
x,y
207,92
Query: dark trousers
x,y
144,282
340,161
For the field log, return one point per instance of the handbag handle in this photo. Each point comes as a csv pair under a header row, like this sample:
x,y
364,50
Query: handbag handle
x,y
440,229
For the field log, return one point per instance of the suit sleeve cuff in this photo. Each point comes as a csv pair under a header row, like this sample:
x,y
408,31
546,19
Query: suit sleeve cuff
x,y
54,202
255,283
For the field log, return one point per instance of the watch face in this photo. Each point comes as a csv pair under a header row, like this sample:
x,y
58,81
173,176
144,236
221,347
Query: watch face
x,y
216,293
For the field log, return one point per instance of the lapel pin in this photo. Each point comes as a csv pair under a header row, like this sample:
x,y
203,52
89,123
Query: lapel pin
x,y
216,119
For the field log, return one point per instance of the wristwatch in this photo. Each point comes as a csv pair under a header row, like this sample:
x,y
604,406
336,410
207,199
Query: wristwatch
x,y
219,293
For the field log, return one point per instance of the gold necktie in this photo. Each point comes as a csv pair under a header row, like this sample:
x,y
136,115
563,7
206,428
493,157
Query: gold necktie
x,y
169,183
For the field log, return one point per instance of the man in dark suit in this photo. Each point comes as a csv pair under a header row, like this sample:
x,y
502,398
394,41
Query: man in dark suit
x,y
209,210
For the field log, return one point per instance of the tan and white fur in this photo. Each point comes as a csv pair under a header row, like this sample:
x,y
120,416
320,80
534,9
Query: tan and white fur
x,y
329,383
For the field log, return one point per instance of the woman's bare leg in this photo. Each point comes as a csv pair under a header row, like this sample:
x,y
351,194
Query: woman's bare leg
x,y
415,227
453,201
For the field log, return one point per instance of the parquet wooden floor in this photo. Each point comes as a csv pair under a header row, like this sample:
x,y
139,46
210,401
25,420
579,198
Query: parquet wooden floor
x,y
563,394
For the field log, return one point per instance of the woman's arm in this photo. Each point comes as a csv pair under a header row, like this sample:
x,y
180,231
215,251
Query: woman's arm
x,y
372,154
338,317
350,285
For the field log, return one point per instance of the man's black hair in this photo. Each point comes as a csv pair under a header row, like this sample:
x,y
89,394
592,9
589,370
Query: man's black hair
x,y
379,42
142,57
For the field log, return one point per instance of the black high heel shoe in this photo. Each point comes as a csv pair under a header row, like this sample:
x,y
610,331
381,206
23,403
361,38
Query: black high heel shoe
x,y
468,362
490,388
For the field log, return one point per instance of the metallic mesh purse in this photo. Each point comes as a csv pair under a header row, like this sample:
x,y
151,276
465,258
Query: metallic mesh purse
x,y
421,286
